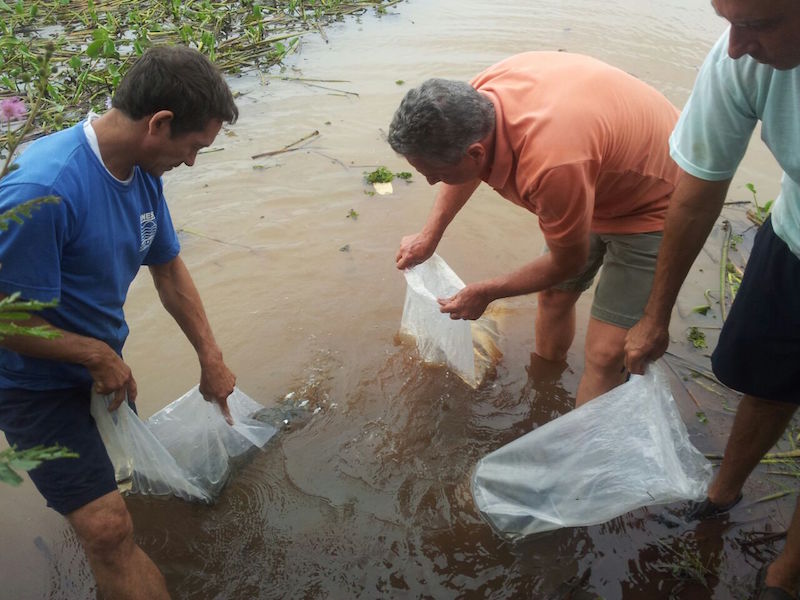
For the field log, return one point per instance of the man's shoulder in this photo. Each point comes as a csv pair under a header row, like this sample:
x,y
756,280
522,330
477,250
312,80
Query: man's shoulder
x,y
46,158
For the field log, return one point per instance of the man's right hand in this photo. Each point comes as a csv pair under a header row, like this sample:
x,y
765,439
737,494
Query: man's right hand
x,y
414,249
111,375
647,341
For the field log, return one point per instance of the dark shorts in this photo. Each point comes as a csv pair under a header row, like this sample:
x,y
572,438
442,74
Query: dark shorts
x,y
758,352
61,417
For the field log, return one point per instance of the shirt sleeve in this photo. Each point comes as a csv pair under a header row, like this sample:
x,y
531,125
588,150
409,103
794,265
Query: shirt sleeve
x,y
30,250
717,122
165,245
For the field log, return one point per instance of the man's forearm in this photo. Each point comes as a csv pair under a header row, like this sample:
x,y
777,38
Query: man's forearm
x,y
693,210
65,347
181,299
449,200
539,274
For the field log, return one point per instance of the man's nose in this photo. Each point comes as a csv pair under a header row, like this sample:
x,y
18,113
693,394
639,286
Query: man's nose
x,y
190,160
741,41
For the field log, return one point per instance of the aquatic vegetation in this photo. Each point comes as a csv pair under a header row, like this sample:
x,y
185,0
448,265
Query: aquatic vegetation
x,y
94,44
697,337
684,564
352,214
760,213
384,175
12,460
380,175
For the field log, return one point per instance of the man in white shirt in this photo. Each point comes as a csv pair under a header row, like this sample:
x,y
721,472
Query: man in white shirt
x,y
752,74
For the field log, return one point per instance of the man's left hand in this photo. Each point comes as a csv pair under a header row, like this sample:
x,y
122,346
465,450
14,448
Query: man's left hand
x,y
470,303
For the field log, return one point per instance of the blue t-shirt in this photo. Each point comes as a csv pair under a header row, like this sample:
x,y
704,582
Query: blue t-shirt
x,y
729,98
83,251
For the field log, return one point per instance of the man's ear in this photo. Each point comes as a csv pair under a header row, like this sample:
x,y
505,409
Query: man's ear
x,y
476,151
160,123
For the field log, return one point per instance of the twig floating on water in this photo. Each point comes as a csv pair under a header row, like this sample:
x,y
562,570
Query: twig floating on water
x,y
332,89
332,159
288,146
213,239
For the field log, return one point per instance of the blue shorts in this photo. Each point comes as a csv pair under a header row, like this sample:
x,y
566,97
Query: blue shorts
x,y
30,418
758,351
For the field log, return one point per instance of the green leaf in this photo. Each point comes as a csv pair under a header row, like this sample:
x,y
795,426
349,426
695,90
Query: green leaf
x,y
14,316
93,49
9,476
23,464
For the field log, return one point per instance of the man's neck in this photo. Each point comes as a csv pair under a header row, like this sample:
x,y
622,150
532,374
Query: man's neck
x,y
118,140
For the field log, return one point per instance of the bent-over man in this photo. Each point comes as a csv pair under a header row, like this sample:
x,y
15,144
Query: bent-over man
x,y
580,144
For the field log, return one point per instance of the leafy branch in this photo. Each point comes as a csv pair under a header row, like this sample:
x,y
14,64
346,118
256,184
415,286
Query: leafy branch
x,y
12,460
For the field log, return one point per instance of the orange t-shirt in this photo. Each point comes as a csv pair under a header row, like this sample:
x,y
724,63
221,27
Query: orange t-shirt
x,y
581,144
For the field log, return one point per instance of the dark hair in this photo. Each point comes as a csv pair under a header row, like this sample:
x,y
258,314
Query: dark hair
x,y
178,79
438,121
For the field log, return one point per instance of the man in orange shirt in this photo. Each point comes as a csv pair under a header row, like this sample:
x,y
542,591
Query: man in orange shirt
x,y
582,145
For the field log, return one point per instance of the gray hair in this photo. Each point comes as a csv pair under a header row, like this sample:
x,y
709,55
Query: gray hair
x,y
438,121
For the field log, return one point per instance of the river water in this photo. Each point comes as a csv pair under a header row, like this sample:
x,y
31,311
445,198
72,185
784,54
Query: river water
x,y
367,495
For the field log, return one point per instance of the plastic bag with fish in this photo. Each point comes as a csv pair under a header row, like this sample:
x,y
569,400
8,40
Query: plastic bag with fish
x,y
185,449
623,450
469,348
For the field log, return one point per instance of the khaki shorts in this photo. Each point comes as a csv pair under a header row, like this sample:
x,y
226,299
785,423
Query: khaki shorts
x,y
629,264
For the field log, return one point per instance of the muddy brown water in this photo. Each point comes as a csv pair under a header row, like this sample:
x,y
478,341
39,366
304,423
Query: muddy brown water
x,y
368,497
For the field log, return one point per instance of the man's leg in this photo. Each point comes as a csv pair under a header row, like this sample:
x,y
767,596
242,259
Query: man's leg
x,y
555,323
121,568
603,361
619,300
758,425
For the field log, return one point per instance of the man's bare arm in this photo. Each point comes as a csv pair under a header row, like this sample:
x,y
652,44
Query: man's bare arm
x,y
417,248
107,369
693,210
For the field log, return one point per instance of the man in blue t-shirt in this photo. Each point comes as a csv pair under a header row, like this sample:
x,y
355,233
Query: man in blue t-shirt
x,y
752,74
84,251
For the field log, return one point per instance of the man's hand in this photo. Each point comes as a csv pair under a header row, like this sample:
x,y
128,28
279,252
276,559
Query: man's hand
x,y
470,303
414,249
111,375
646,342
216,384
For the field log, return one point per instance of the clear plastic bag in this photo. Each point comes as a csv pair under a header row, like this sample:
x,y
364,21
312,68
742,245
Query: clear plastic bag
x,y
469,348
623,450
185,449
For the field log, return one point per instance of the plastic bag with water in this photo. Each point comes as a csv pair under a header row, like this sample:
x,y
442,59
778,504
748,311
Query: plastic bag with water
x,y
468,348
623,450
185,449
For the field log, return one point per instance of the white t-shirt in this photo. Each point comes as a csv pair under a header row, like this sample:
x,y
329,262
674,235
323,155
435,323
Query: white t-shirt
x,y
728,99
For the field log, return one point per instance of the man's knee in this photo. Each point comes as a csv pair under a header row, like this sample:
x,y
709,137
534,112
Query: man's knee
x,y
104,526
557,300
604,356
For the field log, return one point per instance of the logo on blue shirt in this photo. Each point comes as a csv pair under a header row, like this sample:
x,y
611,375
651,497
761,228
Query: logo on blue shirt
x,y
148,225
